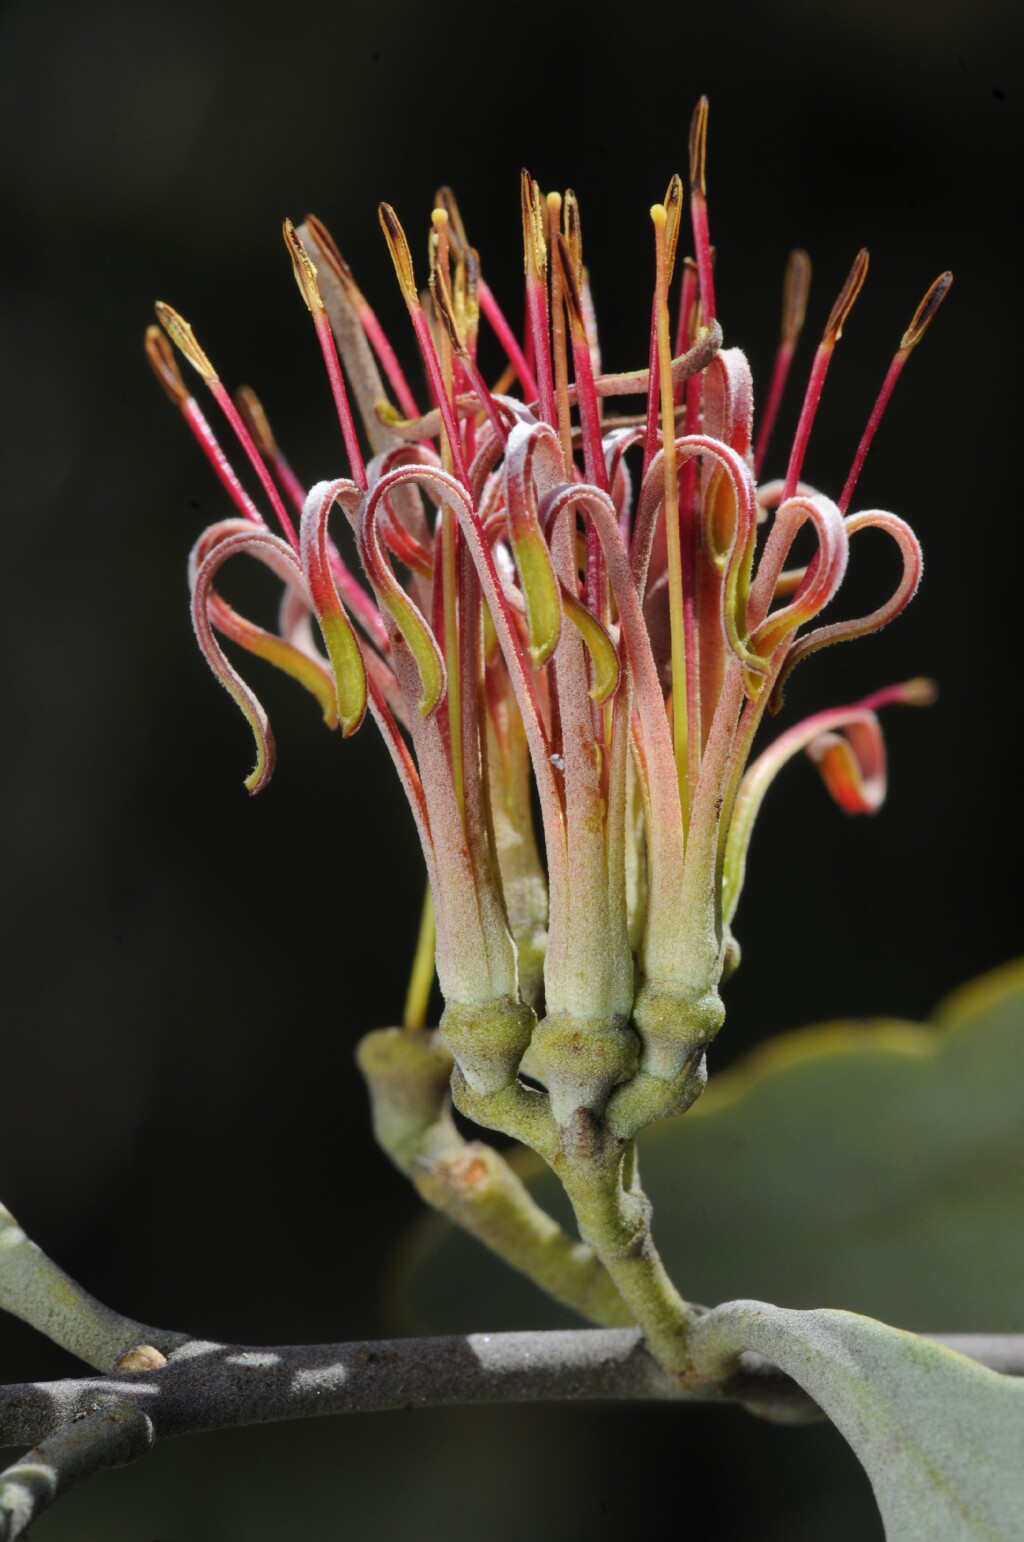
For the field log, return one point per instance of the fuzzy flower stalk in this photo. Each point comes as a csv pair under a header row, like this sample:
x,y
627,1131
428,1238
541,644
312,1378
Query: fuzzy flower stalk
x,y
578,597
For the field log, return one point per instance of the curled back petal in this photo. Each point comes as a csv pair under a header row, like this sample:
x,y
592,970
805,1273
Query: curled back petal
x,y
405,507
604,656
733,550
845,744
294,623
342,646
300,662
291,650
728,400
784,528
488,452
404,614
822,578
852,765
769,496
419,559
532,458
842,631
620,484
275,554
561,503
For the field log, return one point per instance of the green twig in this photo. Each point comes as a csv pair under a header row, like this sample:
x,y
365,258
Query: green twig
x,y
468,1181
34,1289
110,1437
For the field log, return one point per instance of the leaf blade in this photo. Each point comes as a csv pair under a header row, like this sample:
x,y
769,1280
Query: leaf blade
x,y
939,1436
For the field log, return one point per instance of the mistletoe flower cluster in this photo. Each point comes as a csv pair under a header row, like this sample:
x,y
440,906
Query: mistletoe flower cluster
x,y
578,597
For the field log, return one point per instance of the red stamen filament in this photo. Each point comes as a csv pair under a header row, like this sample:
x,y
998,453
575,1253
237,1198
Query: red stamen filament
x,y
812,396
450,448
255,420
702,246
913,335
819,369
687,301
210,446
352,592
325,337
888,385
653,394
223,399
671,516
794,304
780,374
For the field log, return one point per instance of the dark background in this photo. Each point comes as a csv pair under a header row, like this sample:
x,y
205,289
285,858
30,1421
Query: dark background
x,y
186,971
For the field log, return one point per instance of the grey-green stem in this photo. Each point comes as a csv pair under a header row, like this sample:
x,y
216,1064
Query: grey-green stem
x,y
111,1436
407,1074
207,1386
33,1288
596,1169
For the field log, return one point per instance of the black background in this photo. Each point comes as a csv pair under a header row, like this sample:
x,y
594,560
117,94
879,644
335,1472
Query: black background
x,y
186,971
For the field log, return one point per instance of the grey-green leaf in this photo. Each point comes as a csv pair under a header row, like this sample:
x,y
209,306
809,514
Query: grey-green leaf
x,y
941,1438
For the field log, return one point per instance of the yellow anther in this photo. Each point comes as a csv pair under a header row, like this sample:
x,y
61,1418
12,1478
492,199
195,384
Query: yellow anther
x,y
445,307
398,246
334,260
181,335
699,146
165,367
534,243
257,421
302,266
920,692
796,288
925,312
570,286
847,295
673,207
574,233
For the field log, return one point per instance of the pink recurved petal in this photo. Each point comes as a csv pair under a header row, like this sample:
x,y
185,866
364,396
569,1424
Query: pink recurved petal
x,y
847,746
291,649
821,580
852,764
728,400
218,545
406,617
533,465
342,646
862,626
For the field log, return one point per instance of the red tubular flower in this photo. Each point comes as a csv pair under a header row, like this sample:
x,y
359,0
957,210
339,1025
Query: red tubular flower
x,y
536,631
